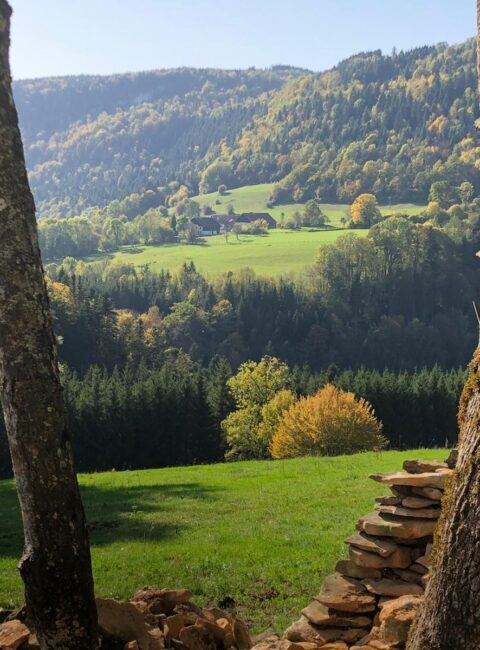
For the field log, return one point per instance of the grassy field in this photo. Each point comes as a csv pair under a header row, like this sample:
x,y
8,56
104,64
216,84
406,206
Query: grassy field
x,y
264,533
253,198
277,253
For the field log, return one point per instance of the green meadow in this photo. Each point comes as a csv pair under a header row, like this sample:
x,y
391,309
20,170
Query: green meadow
x,y
264,533
280,252
253,198
277,253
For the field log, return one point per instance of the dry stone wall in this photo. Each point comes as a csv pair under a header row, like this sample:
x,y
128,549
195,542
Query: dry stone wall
x,y
371,600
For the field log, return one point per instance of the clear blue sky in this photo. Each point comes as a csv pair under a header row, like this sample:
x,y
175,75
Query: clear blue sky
x,y
57,37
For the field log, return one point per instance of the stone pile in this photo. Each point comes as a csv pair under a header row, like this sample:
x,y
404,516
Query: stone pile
x,y
154,619
371,600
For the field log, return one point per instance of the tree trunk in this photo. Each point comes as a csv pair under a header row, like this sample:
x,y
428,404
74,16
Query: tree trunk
x,y
55,566
450,615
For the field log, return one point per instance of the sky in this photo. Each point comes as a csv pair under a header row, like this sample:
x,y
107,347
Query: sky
x,y
60,37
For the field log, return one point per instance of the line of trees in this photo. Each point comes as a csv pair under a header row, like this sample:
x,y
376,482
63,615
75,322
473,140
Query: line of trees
x,y
172,415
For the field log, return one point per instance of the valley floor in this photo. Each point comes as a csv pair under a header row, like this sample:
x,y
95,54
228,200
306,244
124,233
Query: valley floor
x,y
264,533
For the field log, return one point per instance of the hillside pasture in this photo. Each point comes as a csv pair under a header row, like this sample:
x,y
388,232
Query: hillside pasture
x,y
279,252
264,533
254,198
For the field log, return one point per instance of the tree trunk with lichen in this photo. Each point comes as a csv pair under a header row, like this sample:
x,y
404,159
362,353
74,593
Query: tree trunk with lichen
x,y
450,615
55,566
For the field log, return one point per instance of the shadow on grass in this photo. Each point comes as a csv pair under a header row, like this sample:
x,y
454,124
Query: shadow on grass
x,y
114,513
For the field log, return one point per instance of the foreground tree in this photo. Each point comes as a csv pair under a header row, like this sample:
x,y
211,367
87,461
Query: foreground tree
x,y
56,565
450,615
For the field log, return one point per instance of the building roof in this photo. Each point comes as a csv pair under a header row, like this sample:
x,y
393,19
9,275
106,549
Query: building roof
x,y
254,216
206,223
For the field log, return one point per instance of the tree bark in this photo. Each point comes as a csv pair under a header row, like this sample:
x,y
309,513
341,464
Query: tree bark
x,y
450,615
56,565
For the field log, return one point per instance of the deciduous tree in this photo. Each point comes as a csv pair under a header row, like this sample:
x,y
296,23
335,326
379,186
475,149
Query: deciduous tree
x,y
330,422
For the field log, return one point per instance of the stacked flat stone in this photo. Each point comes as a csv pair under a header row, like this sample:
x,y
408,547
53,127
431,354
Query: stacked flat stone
x,y
371,600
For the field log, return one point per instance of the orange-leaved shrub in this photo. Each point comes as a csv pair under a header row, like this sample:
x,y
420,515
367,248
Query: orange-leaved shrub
x,y
328,423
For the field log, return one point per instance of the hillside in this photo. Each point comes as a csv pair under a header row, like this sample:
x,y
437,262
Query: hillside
x,y
272,558
92,139
387,124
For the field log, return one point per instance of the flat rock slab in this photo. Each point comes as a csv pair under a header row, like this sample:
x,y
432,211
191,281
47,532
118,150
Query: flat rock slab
x,y
417,503
429,493
421,513
382,547
418,568
408,575
322,616
389,501
13,634
346,595
420,466
385,525
400,559
302,630
397,588
352,570
426,479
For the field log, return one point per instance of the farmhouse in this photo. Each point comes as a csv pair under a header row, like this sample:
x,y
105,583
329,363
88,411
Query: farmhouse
x,y
250,217
206,225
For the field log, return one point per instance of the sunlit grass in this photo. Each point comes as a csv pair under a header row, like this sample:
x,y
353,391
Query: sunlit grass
x,y
264,533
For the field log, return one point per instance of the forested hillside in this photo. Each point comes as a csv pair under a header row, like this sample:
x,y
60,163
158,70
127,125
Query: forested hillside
x,y
391,125
92,139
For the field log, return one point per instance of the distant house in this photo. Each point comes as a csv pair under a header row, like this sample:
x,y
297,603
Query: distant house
x,y
250,217
225,221
207,225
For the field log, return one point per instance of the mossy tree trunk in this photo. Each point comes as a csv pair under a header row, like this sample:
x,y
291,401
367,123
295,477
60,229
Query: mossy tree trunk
x,y
55,566
450,615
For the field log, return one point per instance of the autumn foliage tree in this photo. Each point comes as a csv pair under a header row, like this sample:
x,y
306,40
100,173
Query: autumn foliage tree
x,y
253,387
364,212
328,423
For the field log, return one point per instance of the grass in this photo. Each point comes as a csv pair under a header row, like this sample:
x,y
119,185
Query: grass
x,y
253,198
278,253
264,533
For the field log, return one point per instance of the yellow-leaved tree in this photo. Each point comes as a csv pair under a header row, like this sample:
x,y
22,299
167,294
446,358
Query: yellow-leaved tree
x,y
248,430
364,212
328,423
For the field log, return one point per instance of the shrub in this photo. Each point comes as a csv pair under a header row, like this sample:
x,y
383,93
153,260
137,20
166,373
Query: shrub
x,y
257,227
328,423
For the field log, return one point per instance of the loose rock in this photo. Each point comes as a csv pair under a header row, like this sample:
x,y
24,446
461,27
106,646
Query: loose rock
x,y
13,634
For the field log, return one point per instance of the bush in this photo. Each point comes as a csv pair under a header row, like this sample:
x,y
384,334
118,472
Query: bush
x,y
257,227
329,423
